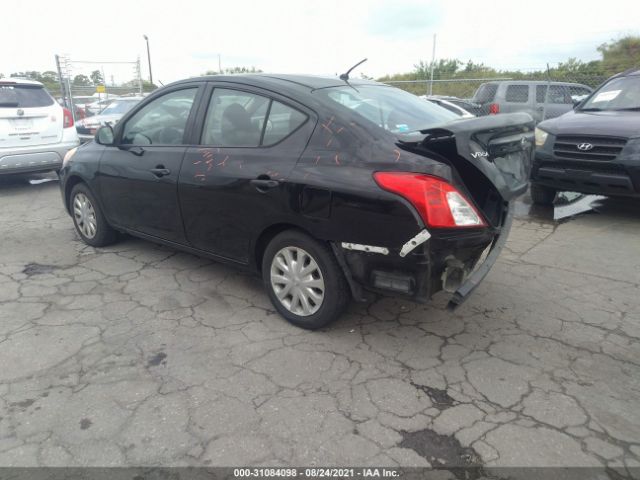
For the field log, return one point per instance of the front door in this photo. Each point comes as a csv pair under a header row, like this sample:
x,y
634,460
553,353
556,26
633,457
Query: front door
x,y
138,177
234,183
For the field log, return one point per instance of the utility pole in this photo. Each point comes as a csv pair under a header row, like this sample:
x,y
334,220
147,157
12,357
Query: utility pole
x,y
433,64
61,80
149,59
219,65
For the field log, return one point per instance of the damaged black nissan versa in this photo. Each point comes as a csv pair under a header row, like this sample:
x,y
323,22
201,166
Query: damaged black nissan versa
x,y
329,188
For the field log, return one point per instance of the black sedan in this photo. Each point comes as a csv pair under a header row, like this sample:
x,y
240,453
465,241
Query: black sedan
x,y
329,188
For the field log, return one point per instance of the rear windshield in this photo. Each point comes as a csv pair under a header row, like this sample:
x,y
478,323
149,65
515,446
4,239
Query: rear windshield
x,y
24,96
485,93
390,108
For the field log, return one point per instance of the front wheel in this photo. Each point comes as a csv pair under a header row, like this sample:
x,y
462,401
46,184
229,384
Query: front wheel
x,y
304,281
88,219
542,195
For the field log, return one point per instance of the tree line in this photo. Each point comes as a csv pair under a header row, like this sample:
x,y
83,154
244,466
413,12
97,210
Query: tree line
x,y
616,56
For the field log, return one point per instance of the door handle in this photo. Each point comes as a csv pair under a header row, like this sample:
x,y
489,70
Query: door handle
x,y
160,171
138,151
264,184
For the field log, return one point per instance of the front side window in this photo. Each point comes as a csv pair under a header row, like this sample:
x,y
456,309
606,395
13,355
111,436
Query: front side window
x,y
517,93
162,122
559,94
390,108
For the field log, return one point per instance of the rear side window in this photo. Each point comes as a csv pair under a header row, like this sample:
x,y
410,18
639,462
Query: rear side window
x,y
234,118
239,119
517,93
485,93
24,96
282,121
541,93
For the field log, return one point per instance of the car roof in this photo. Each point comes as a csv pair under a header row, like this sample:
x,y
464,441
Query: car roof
x,y
627,73
19,81
308,82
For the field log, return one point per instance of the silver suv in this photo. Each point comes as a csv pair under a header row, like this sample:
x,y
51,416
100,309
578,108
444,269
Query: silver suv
x,y
35,132
528,96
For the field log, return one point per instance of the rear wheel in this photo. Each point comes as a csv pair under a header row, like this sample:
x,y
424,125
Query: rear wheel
x,y
88,219
304,281
542,195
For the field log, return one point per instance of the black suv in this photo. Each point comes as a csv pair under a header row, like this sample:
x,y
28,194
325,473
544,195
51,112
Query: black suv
x,y
595,148
325,187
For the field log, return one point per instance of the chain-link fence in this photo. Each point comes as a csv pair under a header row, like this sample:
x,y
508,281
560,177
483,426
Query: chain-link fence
x,y
87,86
543,93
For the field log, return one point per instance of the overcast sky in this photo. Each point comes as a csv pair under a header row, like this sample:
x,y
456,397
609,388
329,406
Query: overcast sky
x,y
314,37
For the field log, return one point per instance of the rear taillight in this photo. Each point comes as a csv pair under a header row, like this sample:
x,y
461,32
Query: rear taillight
x,y
494,109
67,118
438,202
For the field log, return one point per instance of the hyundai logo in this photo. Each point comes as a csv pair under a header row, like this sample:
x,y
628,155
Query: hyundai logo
x,y
584,146
20,112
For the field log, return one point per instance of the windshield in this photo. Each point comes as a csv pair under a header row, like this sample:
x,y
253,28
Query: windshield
x,y
119,107
390,108
619,94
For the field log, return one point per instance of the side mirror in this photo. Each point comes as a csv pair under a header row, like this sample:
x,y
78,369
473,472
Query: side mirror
x,y
105,136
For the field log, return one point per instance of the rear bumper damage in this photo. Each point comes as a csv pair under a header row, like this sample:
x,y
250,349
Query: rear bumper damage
x,y
431,261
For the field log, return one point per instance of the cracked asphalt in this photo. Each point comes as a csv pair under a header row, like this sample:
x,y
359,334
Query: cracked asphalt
x,y
139,355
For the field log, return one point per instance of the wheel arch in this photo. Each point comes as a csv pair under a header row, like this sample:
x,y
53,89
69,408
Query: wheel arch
x,y
268,234
71,182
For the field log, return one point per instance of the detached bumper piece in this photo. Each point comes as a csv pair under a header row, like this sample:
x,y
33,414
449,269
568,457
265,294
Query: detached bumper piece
x,y
481,270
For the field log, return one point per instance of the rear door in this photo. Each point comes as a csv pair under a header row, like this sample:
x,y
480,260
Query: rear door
x,y
29,116
138,177
234,182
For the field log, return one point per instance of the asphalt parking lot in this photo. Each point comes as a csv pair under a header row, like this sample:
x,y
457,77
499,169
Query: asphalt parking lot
x,y
140,355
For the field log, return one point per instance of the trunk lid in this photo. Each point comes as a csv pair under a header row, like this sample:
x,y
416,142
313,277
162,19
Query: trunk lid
x,y
500,147
28,116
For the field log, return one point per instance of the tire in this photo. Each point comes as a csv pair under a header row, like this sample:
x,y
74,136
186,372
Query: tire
x,y
542,195
82,213
324,287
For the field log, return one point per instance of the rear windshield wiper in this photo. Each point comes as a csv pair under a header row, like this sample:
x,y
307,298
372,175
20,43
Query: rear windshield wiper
x,y
9,104
591,109
629,108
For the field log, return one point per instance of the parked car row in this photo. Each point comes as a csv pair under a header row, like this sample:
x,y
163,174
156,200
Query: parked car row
x,y
110,115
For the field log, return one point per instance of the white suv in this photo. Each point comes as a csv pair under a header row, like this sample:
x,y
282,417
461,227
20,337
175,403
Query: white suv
x,y
35,132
